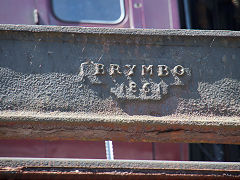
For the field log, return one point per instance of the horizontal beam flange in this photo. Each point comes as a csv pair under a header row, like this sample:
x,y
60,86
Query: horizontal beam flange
x,y
29,167
76,126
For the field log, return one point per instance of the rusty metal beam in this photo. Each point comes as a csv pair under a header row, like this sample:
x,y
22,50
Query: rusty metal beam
x,y
57,126
119,84
22,168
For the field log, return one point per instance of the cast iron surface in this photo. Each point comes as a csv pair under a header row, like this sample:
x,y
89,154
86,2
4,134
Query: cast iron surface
x,y
57,126
115,169
175,85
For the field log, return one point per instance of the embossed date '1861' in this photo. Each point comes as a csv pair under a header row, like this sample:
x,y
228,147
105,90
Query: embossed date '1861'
x,y
130,81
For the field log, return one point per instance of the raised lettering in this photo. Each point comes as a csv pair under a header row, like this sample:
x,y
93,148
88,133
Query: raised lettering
x,y
99,69
114,69
130,69
133,86
140,89
146,69
146,87
162,70
179,70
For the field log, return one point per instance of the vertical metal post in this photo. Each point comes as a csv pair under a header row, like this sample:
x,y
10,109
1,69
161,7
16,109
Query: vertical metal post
x,y
187,14
218,152
109,150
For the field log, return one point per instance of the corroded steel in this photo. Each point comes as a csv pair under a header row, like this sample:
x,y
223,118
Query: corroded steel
x,y
115,169
124,84
56,126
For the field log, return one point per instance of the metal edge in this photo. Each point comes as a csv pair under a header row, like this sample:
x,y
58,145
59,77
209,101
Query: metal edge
x,y
113,164
74,126
119,169
72,117
120,31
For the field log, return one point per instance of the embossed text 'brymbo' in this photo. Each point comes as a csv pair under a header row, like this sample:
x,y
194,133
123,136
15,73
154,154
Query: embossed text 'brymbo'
x,y
129,70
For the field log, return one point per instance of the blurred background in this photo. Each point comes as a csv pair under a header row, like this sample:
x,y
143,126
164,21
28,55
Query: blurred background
x,y
156,14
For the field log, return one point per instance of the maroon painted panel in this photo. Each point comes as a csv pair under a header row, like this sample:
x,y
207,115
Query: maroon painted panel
x,y
17,11
144,151
91,150
161,14
52,149
138,14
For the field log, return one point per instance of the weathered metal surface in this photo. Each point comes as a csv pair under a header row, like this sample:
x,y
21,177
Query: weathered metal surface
x,y
124,84
21,168
56,125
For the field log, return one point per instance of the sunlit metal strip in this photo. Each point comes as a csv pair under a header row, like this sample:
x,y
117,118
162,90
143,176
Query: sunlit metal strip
x,y
28,167
75,126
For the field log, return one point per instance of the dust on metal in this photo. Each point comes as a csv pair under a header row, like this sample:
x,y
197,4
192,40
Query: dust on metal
x,y
117,169
191,76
